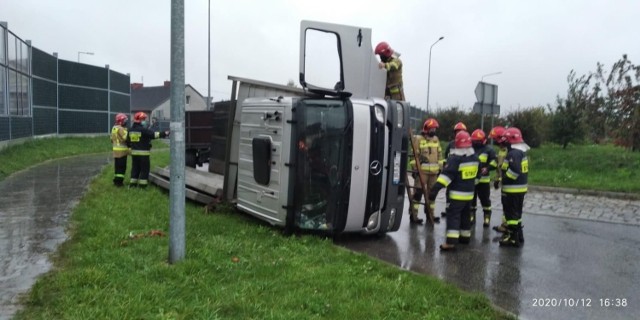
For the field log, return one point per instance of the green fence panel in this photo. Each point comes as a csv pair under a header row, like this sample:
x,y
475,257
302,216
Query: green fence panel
x,y
83,122
82,99
45,120
44,65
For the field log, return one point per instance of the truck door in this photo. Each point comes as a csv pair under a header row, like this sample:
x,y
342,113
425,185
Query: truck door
x,y
353,62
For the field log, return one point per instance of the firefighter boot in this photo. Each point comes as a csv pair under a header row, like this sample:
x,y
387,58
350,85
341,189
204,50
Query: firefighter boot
x,y
487,219
472,215
503,227
413,216
511,237
520,233
449,245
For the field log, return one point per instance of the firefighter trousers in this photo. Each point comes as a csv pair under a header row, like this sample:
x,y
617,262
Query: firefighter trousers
x,y
120,166
417,195
512,204
140,166
458,223
483,192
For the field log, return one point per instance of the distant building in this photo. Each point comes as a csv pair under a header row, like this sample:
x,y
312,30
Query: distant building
x,y
155,101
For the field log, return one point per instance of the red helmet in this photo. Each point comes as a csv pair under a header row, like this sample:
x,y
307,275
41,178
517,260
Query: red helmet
x,y
431,123
496,132
121,118
139,117
459,126
384,49
463,139
513,135
478,135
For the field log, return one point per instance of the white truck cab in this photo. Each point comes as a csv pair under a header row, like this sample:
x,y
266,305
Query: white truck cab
x,y
331,157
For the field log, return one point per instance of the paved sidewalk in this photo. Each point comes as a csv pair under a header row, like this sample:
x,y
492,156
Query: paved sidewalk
x,y
35,205
582,207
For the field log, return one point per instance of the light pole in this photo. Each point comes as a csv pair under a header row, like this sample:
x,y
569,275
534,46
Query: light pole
x,y
209,58
429,76
83,52
490,74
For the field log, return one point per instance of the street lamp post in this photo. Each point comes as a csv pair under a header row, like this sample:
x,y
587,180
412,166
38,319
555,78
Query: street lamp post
x,y
490,74
209,58
83,52
429,72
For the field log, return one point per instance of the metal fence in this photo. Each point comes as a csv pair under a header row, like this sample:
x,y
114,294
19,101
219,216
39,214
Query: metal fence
x,y
43,95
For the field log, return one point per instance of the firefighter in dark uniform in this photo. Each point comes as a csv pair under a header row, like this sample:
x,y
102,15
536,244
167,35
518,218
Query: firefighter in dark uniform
x,y
430,164
515,170
496,134
487,157
139,140
120,148
459,176
457,128
390,61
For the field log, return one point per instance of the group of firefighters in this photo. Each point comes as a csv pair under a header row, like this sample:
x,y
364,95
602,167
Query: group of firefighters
x,y
135,141
464,170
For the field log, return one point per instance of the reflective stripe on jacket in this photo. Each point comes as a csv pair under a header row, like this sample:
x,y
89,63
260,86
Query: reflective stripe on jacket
x,y
515,171
459,176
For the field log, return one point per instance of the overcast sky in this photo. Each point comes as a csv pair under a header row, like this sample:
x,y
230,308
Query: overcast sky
x,y
534,44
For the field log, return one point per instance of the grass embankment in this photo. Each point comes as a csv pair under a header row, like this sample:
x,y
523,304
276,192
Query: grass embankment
x,y
235,268
593,167
21,156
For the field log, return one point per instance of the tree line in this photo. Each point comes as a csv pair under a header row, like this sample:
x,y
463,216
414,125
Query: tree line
x,y
602,106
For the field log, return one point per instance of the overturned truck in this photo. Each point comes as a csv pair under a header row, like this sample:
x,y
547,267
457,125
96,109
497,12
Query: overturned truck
x,y
331,156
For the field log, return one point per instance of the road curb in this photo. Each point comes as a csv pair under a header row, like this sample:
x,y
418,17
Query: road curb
x,y
595,193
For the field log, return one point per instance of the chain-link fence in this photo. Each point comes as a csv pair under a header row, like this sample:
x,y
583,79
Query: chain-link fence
x,y
42,95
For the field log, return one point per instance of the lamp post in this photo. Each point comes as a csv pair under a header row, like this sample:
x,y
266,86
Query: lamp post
x,y
83,52
490,74
429,76
209,58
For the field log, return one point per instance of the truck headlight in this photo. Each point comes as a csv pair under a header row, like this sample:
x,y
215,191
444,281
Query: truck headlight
x,y
373,221
400,115
379,111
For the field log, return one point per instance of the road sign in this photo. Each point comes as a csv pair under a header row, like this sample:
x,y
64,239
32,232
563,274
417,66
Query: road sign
x,y
487,99
486,93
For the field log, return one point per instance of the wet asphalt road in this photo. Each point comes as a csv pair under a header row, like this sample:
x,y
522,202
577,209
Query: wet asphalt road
x,y
568,263
565,261
34,208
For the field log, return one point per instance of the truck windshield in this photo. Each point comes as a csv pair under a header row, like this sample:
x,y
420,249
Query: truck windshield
x,y
324,144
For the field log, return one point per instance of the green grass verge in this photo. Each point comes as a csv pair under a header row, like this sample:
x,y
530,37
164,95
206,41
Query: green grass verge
x,y
103,274
593,167
21,156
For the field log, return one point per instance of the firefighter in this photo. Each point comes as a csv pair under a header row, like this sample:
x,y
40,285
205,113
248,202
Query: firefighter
x,y
120,149
457,128
431,162
139,140
487,157
496,134
390,61
458,177
515,169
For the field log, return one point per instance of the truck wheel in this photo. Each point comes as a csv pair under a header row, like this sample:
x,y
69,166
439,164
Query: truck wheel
x,y
190,158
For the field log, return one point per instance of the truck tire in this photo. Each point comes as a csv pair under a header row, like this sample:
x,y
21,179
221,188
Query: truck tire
x,y
190,158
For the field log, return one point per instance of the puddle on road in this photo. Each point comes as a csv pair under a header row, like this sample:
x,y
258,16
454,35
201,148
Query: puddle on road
x,y
35,205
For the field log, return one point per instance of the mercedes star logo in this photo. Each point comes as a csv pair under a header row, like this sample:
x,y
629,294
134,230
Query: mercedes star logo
x,y
375,167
